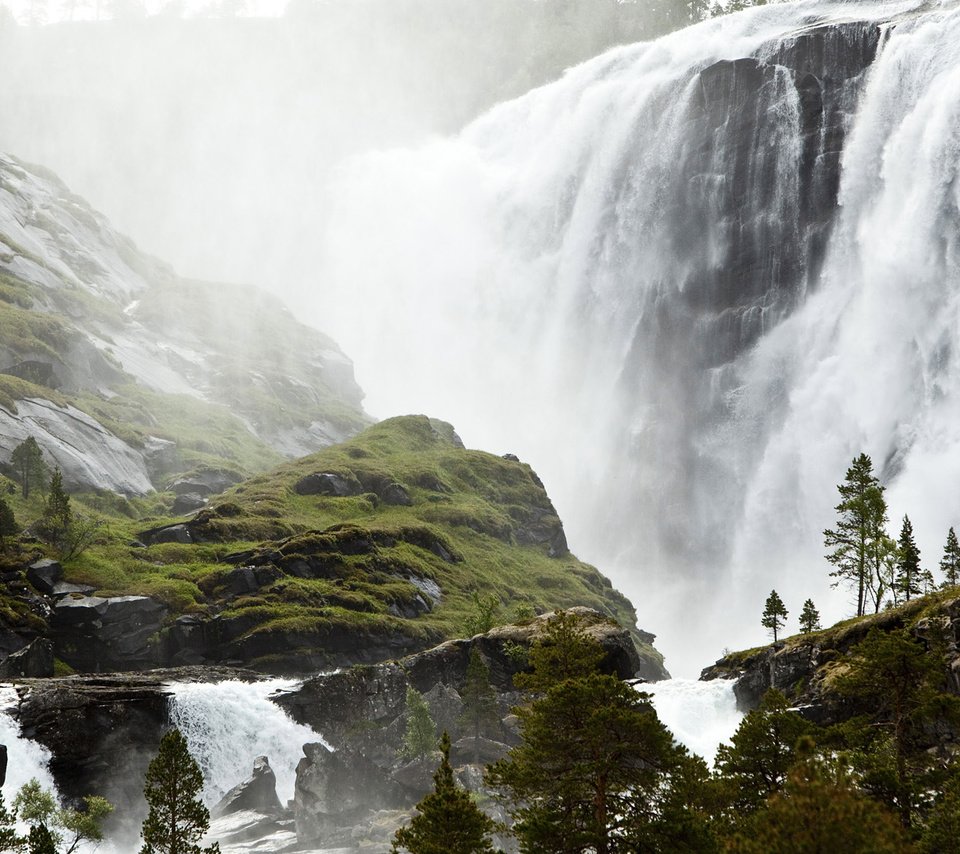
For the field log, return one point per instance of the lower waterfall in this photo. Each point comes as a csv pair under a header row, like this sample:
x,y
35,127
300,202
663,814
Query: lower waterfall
x,y
701,715
229,724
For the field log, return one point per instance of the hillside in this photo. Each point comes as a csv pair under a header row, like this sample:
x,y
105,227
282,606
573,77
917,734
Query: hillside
x,y
369,549
129,376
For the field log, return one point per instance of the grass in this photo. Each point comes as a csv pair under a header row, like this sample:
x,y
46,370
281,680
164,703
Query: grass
x,y
461,532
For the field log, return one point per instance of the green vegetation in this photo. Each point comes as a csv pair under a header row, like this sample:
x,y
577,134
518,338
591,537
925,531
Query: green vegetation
x,y
53,829
177,819
595,770
448,821
809,618
774,614
420,737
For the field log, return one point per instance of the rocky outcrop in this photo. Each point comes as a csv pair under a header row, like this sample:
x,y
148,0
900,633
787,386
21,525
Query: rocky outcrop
x,y
258,793
361,713
802,666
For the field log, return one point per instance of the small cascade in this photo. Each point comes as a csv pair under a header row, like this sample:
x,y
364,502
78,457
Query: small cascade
x,y
25,759
701,715
229,724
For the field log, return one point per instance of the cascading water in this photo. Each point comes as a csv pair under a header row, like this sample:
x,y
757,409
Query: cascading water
x,y
688,282
229,724
701,715
26,759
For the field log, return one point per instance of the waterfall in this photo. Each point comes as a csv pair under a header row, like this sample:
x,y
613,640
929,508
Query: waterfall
x,y
701,715
688,282
25,759
229,724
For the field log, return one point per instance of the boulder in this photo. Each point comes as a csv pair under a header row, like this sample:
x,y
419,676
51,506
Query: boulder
x,y
482,751
64,588
93,633
258,793
328,483
396,494
187,503
34,660
44,574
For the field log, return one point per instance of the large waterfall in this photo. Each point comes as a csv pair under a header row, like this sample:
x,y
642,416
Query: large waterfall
x,y
688,281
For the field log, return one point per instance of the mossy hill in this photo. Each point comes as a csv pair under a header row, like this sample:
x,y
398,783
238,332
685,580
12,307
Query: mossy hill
x,y
129,376
366,550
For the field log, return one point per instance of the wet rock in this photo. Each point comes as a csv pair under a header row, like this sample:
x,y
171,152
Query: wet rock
x,y
258,793
44,574
34,660
479,751
178,533
94,634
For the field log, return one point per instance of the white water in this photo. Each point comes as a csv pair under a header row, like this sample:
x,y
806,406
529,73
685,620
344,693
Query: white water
x,y
701,715
523,279
25,759
229,724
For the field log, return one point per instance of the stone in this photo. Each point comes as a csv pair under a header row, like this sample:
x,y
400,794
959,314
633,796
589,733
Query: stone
x,y
187,503
328,483
258,793
44,574
396,494
464,750
64,588
33,661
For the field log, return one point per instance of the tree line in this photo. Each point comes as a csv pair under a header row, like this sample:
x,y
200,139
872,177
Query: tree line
x,y
878,569
596,771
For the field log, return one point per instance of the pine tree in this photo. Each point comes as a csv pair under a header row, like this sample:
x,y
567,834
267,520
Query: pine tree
x,y
950,562
448,821
774,614
58,511
562,651
479,700
908,581
8,524
809,618
420,738
177,819
859,541
27,459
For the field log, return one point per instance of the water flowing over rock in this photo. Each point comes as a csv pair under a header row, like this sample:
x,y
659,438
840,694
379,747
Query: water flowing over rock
x,y
720,264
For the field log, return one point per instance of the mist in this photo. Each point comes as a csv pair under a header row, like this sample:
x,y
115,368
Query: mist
x,y
489,206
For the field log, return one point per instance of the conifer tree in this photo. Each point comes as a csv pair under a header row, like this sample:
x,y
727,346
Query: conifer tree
x,y
420,737
950,562
859,542
8,524
562,651
27,460
809,618
448,821
177,819
908,582
774,614
479,700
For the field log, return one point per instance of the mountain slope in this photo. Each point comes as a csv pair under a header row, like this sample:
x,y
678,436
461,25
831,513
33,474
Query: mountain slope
x,y
127,374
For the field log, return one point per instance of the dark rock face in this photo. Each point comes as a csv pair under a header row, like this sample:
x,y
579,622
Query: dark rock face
x,y
33,661
188,502
258,793
94,634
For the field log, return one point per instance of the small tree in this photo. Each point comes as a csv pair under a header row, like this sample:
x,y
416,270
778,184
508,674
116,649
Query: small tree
x,y
449,822
950,562
774,614
8,524
908,581
420,738
27,460
484,616
177,819
562,651
858,541
57,830
70,534
479,700
809,618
